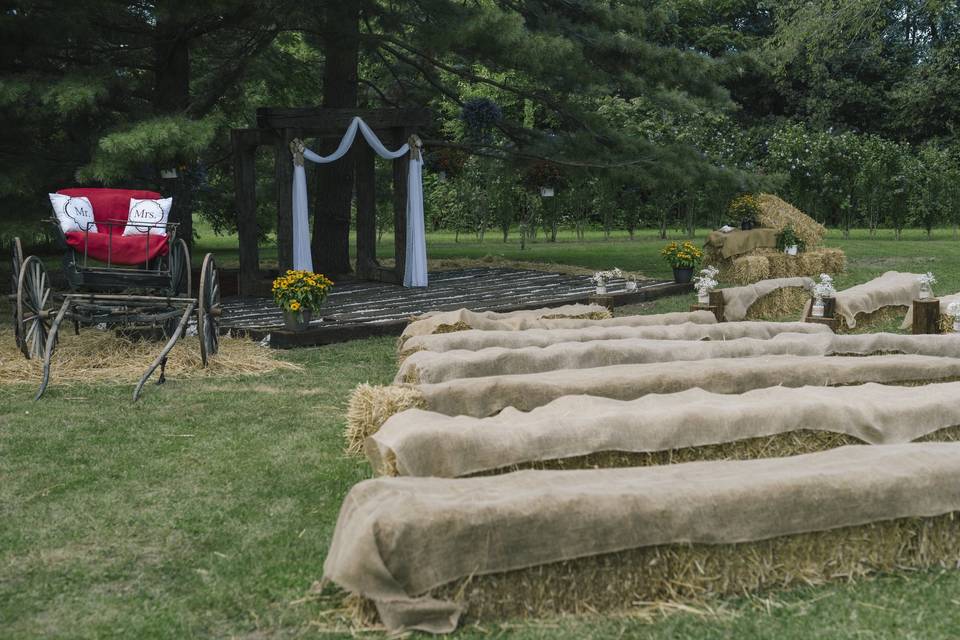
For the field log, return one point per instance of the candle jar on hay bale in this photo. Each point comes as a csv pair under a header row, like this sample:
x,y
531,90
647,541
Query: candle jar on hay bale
x,y
299,294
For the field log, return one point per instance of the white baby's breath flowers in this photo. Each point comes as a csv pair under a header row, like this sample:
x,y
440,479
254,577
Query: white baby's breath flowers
x,y
601,277
824,288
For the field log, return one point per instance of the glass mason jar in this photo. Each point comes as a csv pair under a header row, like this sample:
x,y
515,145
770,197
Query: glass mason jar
x,y
602,289
703,296
631,284
956,324
925,291
817,309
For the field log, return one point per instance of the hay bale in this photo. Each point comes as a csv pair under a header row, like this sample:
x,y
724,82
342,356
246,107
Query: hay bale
x,y
762,264
834,260
750,268
781,445
370,406
786,302
101,356
691,573
777,214
884,318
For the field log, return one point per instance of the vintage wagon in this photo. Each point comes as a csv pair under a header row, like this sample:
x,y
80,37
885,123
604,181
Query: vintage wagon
x,y
115,280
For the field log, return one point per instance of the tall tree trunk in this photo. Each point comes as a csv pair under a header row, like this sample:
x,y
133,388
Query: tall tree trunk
x,y
331,226
171,54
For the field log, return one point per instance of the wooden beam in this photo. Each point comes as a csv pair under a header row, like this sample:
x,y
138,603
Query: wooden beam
x,y
400,167
366,181
316,121
244,184
283,171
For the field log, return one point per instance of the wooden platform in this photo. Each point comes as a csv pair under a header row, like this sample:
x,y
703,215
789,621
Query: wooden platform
x,y
363,309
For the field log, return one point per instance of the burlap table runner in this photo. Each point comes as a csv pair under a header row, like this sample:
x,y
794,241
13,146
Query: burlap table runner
x,y
944,303
739,242
474,340
737,300
480,397
398,538
424,443
892,289
433,367
433,321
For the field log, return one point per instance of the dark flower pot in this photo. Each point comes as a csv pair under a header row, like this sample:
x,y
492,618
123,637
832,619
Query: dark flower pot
x,y
746,225
682,276
297,320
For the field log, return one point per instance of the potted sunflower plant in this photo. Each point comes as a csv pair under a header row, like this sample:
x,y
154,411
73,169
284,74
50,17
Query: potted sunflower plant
x,y
299,294
683,258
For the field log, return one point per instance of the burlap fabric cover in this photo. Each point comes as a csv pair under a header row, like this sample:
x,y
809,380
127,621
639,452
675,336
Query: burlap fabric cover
x,y
892,289
675,317
423,443
432,367
944,303
738,242
475,340
487,396
397,538
511,320
736,300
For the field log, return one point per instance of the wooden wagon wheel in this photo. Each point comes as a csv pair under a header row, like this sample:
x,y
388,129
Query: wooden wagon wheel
x,y
208,309
33,318
180,273
16,261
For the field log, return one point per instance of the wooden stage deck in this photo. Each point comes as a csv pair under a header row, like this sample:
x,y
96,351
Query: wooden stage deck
x,y
362,309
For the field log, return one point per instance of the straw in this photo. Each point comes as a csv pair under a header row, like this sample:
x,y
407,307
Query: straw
x,y
102,356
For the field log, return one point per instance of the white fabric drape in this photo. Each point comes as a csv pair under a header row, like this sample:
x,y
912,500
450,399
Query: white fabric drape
x,y
415,272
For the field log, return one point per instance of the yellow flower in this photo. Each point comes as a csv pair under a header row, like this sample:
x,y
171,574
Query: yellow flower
x,y
294,305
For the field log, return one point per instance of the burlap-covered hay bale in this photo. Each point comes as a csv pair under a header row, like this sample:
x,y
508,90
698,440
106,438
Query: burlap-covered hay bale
x,y
782,303
888,317
690,573
794,443
776,213
370,406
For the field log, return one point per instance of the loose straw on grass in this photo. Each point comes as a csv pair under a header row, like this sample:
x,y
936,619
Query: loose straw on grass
x,y
101,356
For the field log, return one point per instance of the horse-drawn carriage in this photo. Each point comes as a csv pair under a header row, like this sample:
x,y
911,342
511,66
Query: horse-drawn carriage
x,y
140,279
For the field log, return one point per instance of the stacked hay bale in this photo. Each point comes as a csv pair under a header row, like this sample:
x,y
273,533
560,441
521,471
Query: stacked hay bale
x,y
765,263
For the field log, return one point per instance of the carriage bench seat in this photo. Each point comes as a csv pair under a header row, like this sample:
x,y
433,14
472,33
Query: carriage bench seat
x,y
110,208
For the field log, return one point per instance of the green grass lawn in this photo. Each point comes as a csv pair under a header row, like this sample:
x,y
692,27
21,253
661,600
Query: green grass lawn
x,y
206,509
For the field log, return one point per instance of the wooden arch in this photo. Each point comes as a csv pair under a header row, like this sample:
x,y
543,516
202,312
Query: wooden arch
x,y
277,127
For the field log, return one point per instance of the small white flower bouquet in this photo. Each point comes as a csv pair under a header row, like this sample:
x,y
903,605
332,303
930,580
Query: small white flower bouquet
x,y
953,310
824,288
926,280
600,278
705,283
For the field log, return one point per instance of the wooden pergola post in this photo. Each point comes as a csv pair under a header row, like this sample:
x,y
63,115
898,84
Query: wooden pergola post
x,y
276,127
